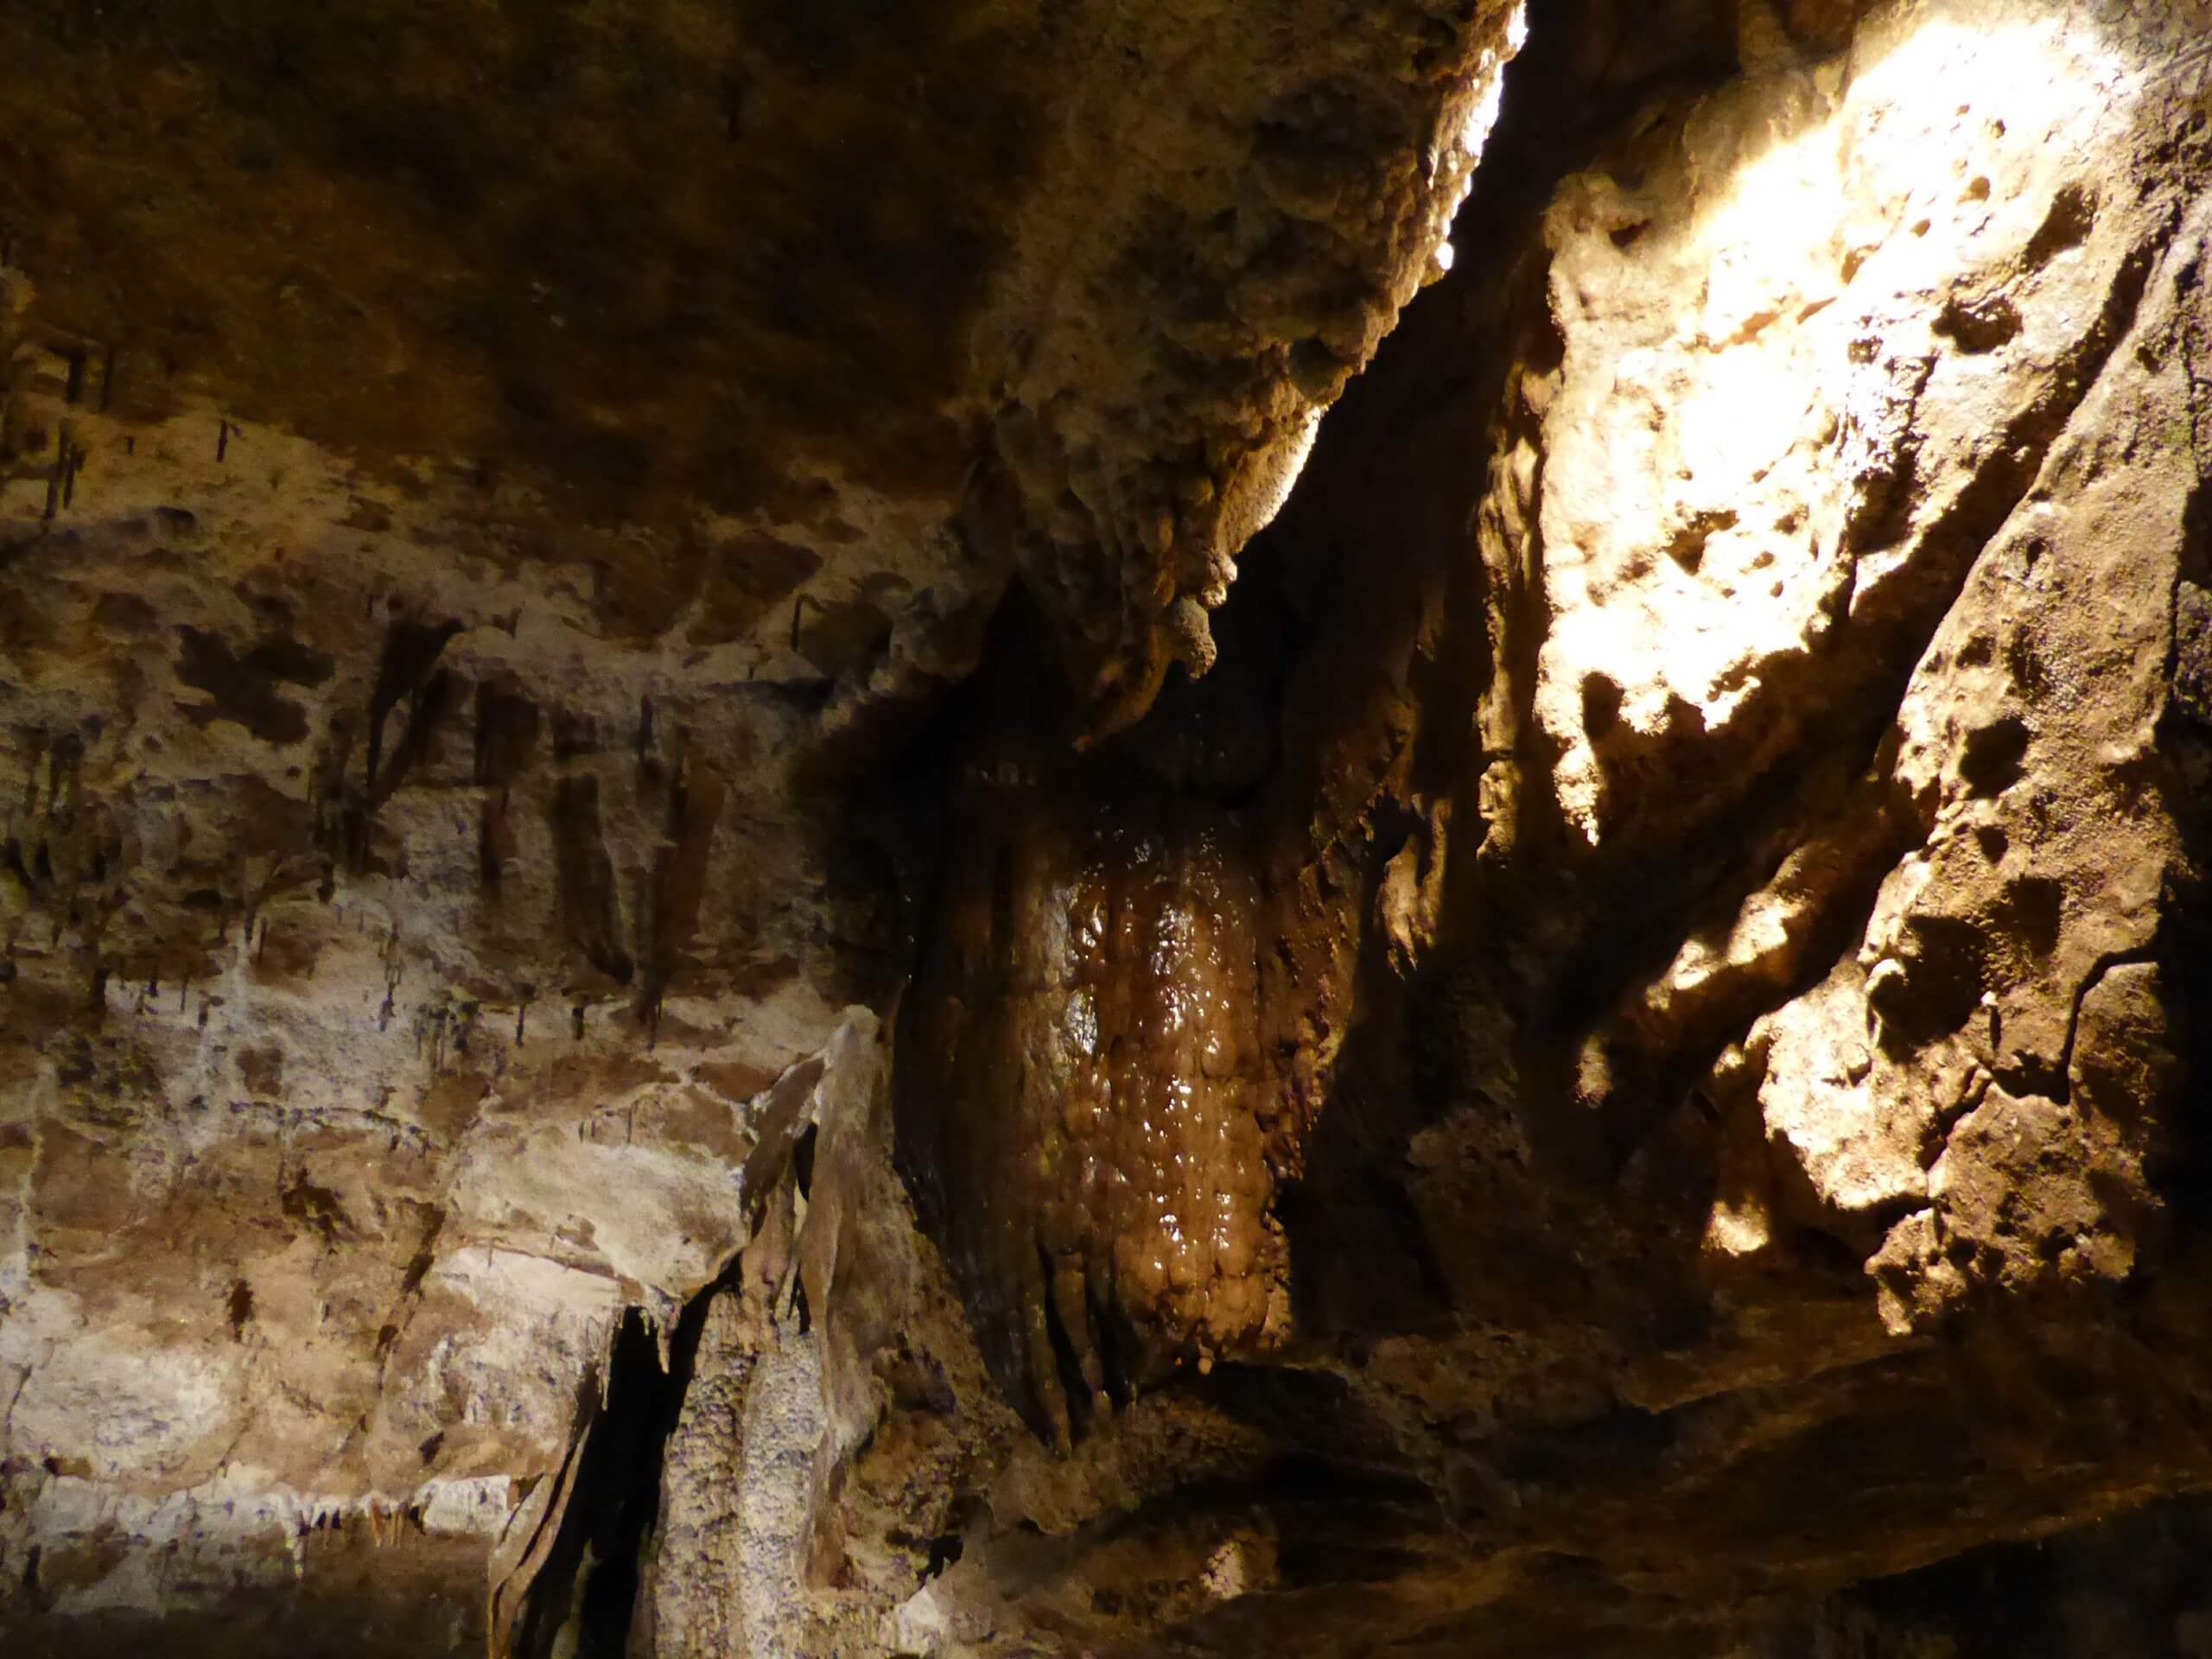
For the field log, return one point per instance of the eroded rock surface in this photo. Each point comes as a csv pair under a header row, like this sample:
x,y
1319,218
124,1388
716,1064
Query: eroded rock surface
x,y
1726,875
1254,214
1092,271
1623,1075
1082,1100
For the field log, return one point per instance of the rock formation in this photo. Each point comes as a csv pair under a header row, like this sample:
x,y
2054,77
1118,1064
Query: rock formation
x,y
754,902
1084,1105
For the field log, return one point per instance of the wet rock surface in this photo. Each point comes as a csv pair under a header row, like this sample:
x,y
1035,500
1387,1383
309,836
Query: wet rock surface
x,y
1083,1106
1623,1075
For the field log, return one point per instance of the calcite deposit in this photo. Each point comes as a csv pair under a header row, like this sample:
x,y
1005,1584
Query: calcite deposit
x,y
988,830
1082,1101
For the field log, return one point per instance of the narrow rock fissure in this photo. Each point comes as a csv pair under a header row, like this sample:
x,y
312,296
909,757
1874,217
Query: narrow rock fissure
x,y
584,1600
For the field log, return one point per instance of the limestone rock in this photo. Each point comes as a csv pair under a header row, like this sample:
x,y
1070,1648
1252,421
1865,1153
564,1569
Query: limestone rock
x,y
601,1051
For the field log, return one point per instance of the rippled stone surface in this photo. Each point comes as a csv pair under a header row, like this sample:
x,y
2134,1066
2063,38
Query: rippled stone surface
x,y
1080,1096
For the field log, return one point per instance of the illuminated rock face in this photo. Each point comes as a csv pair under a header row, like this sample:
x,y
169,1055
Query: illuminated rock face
x,y
1832,478
1776,456
1081,1098
1628,1066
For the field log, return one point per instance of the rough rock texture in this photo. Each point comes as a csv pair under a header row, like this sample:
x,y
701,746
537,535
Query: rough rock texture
x,y
1728,853
1166,355
1081,1095
1624,1075
352,912
1091,270
443,550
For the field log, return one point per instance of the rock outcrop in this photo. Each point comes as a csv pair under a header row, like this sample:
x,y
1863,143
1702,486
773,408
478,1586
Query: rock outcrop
x,y
638,1016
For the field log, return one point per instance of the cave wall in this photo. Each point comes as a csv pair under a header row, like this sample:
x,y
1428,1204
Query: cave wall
x,y
1727,842
1623,1075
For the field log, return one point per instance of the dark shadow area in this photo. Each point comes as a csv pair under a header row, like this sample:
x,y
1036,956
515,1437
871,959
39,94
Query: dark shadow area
x,y
581,1604
2135,1586
420,1595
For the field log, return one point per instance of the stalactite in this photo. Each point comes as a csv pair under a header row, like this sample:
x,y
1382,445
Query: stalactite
x,y
1081,1099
